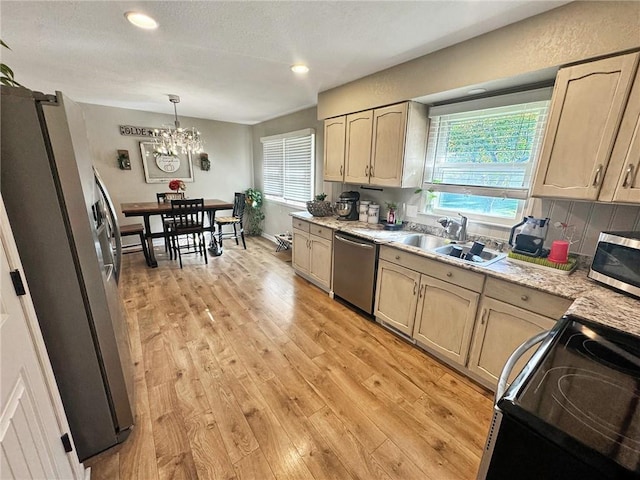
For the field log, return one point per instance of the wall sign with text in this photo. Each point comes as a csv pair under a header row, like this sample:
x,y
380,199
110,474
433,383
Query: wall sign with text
x,y
131,131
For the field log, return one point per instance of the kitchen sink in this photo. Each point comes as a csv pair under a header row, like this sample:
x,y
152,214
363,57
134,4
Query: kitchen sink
x,y
424,241
486,257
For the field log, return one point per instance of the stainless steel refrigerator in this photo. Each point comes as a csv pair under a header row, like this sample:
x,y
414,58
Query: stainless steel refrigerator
x,y
66,232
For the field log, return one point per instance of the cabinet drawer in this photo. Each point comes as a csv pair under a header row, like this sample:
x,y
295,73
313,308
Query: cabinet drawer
x,y
300,225
321,231
533,300
443,271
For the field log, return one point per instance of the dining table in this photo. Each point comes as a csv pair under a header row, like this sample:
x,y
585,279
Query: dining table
x,y
146,210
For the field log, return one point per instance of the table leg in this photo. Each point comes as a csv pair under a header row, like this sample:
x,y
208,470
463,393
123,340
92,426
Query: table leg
x,y
151,261
215,249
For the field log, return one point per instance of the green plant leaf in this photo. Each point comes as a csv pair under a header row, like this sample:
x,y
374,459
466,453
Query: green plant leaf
x,y
5,45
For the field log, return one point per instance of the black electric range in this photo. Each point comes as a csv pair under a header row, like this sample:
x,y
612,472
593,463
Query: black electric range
x,y
574,411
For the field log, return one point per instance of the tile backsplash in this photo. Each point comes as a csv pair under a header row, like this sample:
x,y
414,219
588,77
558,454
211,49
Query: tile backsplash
x,y
588,218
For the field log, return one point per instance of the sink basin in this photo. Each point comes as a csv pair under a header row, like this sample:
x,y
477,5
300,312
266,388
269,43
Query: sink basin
x,y
423,241
487,257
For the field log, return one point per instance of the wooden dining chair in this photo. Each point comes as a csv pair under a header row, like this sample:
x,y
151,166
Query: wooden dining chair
x,y
136,229
187,228
164,197
235,219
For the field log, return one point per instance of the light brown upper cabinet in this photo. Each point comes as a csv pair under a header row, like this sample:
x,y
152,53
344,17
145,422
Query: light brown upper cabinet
x,y
383,147
587,108
358,147
334,142
622,181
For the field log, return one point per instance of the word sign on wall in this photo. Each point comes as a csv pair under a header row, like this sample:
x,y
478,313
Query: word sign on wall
x,y
132,131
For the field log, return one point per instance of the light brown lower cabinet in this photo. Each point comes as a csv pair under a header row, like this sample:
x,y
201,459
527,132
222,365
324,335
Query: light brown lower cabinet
x,y
437,314
445,316
312,253
499,330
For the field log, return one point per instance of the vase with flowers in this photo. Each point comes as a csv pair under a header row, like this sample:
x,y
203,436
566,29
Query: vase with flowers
x,y
177,186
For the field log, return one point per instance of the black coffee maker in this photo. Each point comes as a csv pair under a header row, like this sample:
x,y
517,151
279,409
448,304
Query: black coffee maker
x,y
347,206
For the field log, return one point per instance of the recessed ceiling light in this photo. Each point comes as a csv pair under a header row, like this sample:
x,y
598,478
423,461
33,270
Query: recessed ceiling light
x,y
299,68
141,20
475,91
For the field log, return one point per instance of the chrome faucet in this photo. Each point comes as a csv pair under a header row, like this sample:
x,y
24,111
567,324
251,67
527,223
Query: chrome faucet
x,y
455,229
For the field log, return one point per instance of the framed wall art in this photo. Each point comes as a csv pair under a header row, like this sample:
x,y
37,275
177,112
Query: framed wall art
x,y
159,168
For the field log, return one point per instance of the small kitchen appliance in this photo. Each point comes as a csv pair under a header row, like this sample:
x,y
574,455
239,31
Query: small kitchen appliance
x,y
347,206
616,262
530,238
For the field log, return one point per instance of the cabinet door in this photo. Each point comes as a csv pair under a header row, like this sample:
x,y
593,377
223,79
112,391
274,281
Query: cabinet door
x,y
358,147
334,144
445,317
586,109
625,159
320,260
300,254
396,296
387,154
500,330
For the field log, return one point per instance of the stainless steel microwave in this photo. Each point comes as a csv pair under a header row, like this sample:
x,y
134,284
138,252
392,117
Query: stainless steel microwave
x,y
616,262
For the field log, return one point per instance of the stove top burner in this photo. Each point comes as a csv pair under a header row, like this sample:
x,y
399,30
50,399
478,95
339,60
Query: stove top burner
x,y
588,387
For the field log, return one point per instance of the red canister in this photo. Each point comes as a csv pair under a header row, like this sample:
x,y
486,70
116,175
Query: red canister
x,y
559,251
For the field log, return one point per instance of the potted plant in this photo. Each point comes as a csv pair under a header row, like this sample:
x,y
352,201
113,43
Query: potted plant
x,y
391,213
319,207
255,216
6,74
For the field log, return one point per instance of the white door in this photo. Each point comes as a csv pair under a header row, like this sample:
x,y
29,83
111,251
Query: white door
x,y
32,419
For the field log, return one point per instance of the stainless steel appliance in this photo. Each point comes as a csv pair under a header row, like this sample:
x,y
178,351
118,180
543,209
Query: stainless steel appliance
x,y
616,262
530,238
354,270
574,410
65,234
347,206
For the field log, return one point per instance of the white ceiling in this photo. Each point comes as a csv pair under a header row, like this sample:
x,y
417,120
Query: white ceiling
x,y
230,60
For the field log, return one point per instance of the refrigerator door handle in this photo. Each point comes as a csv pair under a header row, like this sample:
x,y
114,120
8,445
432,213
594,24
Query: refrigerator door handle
x,y
513,359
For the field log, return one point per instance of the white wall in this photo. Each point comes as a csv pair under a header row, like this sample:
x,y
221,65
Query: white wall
x,y
277,219
227,144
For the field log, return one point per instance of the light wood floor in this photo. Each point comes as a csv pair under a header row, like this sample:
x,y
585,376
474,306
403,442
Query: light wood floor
x,y
246,371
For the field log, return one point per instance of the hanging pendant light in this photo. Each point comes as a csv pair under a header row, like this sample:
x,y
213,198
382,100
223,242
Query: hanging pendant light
x,y
174,140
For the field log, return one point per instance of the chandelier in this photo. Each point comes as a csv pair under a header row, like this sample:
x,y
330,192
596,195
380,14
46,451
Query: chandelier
x,y
170,140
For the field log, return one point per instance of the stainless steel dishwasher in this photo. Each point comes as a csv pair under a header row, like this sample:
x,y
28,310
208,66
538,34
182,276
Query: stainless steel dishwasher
x,y
354,270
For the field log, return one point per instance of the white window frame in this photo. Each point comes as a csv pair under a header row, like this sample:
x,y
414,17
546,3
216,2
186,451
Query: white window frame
x,y
280,140
520,194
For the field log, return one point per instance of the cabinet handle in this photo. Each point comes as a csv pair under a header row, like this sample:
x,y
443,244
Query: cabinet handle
x,y
415,286
484,314
449,274
627,177
366,171
524,298
397,257
340,170
371,171
596,178
422,289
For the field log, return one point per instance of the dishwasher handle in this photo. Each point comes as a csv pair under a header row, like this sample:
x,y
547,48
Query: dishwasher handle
x,y
357,244
513,359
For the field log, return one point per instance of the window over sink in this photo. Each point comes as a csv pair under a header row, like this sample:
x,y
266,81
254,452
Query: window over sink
x,y
288,166
481,155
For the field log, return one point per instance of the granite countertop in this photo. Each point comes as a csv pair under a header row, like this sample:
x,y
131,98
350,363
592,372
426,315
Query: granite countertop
x,y
591,300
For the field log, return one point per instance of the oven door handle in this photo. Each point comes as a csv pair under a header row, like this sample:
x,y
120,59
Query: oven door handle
x,y
358,244
513,359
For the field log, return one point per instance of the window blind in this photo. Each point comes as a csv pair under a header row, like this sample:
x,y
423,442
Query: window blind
x,y
288,166
487,146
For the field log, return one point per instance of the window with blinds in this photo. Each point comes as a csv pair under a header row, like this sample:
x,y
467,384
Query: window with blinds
x,y
481,155
288,166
